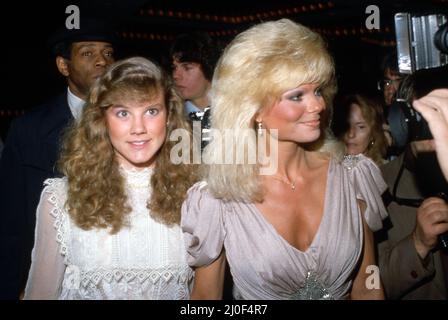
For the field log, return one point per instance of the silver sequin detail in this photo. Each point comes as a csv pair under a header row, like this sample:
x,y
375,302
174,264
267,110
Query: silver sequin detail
x,y
350,161
312,290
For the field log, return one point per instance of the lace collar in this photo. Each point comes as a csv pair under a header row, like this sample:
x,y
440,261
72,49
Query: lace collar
x,y
137,178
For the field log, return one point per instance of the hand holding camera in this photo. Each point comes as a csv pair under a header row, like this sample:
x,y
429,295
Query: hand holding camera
x,y
434,108
432,221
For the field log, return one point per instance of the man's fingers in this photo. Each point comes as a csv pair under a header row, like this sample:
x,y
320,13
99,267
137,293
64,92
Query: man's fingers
x,y
427,109
432,105
440,228
437,216
423,146
431,201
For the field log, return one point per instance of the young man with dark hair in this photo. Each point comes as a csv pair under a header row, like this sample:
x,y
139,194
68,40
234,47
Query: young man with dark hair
x,y
391,78
194,57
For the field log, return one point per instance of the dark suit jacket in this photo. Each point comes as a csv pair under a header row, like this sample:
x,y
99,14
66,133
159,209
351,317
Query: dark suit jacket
x,y
29,157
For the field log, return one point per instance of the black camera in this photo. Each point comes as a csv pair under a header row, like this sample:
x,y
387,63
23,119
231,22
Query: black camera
x,y
422,41
406,124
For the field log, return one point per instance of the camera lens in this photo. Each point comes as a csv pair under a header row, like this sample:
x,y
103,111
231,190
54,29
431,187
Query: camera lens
x,y
441,38
398,121
406,124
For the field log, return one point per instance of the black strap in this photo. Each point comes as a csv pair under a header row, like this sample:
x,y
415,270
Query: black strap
x,y
403,201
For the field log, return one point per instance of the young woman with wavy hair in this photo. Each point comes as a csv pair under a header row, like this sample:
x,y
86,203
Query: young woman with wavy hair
x,y
303,232
109,229
363,132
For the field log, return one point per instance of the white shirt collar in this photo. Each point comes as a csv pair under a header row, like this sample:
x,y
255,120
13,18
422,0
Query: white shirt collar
x,y
75,104
191,107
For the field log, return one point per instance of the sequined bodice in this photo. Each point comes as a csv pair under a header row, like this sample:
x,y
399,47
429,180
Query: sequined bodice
x,y
312,289
263,264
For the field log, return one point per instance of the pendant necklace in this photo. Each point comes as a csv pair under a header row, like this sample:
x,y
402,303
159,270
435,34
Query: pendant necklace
x,y
284,180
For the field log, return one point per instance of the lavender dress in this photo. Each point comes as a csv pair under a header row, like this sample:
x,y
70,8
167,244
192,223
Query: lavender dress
x,y
263,264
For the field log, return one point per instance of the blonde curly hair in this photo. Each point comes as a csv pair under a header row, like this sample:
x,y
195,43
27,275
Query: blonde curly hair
x,y
96,192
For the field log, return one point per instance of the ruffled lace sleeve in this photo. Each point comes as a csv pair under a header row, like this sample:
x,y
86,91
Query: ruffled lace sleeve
x,y
47,259
369,185
202,226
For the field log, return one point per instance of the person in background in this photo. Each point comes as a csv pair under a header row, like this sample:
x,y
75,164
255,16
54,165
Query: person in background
x,y
389,85
413,264
109,229
194,56
391,80
363,132
33,143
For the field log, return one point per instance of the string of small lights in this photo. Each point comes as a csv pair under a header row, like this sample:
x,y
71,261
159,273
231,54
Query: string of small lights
x,y
333,32
253,17
382,43
152,12
11,113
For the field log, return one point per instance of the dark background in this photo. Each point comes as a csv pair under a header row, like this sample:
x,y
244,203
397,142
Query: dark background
x,y
147,27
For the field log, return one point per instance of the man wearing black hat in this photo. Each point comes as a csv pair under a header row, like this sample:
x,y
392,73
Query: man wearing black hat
x,y
33,142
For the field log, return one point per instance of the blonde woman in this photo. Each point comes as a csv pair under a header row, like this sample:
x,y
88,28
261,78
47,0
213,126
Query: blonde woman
x,y
303,232
110,228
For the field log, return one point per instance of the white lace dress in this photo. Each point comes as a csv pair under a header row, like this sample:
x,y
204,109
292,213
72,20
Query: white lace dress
x,y
144,261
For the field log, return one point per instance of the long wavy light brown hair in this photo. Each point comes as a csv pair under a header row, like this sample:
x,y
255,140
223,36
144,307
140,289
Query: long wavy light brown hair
x,y
96,190
373,115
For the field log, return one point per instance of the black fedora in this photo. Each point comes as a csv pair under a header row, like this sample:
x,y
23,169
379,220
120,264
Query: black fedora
x,y
90,29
